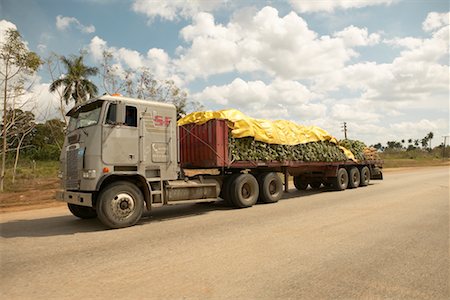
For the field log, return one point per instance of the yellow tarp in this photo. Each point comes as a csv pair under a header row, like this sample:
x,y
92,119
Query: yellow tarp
x,y
272,132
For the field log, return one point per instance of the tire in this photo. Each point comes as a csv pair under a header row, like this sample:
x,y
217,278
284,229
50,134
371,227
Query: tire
x,y
300,184
365,176
244,191
315,185
120,205
82,212
270,188
340,182
226,189
354,178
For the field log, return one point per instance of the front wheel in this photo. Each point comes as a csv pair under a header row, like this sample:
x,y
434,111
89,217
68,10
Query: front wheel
x,y
82,212
120,205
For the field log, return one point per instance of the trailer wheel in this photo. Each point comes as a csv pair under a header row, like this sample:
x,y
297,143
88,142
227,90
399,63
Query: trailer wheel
x,y
365,176
270,187
354,178
341,180
244,190
315,185
82,212
120,205
300,184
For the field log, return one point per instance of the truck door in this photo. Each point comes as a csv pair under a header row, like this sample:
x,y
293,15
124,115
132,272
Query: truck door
x,y
120,138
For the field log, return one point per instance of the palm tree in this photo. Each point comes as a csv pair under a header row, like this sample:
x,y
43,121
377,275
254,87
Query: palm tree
x,y
430,137
75,82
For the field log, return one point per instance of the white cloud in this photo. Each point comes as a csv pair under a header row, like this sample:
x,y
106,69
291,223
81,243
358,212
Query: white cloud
x,y
332,5
354,36
265,42
4,26
173,10
435,20
279,99
418,75
417,129
64,23
96,48
156,60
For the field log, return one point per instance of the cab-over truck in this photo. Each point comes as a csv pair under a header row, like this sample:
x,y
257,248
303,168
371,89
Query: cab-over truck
x,y
123,155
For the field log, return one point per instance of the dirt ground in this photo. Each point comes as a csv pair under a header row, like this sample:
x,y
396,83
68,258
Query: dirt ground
x,y
40,193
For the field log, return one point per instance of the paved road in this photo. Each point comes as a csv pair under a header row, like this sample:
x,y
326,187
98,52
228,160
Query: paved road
x,y
387,240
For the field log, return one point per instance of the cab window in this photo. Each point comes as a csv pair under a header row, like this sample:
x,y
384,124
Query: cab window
x,y
111,114
131,116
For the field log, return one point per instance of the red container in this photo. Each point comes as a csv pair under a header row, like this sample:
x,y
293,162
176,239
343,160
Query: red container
x,y
204,146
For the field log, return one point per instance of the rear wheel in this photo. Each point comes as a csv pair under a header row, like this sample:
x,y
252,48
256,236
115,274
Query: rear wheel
x,y
300,183
340,182
82,212
120,205
365,176
270,188
244,190
354,178
226,189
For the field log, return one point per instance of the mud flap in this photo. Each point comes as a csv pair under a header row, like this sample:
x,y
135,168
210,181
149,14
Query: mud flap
x,y
376,174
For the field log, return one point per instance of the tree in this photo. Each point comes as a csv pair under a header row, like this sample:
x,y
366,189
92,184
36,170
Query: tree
x,y
394,145
378,146
23,125
75,82
47,140
430,136
16,62
143,84
424,142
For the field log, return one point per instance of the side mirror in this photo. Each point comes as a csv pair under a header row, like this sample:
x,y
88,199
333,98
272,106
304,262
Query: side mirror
x,y
120,113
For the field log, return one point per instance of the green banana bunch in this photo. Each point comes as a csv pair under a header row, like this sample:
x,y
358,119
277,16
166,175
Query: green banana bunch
x,y
243,149
355,146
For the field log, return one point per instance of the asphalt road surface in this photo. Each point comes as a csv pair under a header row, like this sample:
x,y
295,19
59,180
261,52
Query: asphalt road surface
x,y
387,240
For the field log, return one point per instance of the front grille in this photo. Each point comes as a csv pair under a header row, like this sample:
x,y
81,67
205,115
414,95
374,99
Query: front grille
x,y
72,174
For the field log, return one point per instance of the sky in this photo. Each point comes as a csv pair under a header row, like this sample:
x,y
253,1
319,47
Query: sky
x,y
381,66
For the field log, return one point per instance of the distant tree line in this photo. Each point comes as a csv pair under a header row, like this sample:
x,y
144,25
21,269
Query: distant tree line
x,y
410,144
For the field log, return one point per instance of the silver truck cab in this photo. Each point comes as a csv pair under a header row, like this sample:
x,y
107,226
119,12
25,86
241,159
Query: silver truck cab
x,y
114,136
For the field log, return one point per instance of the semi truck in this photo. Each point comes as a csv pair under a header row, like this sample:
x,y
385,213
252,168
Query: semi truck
x,y
122,156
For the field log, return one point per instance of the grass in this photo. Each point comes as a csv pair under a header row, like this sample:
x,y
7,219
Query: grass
x,y
28,172
413,158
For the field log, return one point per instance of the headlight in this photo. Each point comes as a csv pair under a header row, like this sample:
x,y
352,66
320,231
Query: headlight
x,y
89,174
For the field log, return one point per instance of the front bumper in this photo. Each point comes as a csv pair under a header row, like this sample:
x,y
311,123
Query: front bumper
x,y
83,199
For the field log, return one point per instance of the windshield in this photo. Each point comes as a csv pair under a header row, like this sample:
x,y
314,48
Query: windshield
x,y
85,116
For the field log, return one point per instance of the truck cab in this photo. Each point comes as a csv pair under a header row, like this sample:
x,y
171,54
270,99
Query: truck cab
x,y
114,138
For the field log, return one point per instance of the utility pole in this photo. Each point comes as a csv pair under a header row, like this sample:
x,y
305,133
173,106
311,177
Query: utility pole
x,y
344,128
445,145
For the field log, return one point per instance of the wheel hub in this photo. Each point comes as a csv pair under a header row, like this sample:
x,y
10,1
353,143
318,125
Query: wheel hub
x,y
246,191
122,205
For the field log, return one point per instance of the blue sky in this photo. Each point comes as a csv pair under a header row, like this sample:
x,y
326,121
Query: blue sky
x,y
380,65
